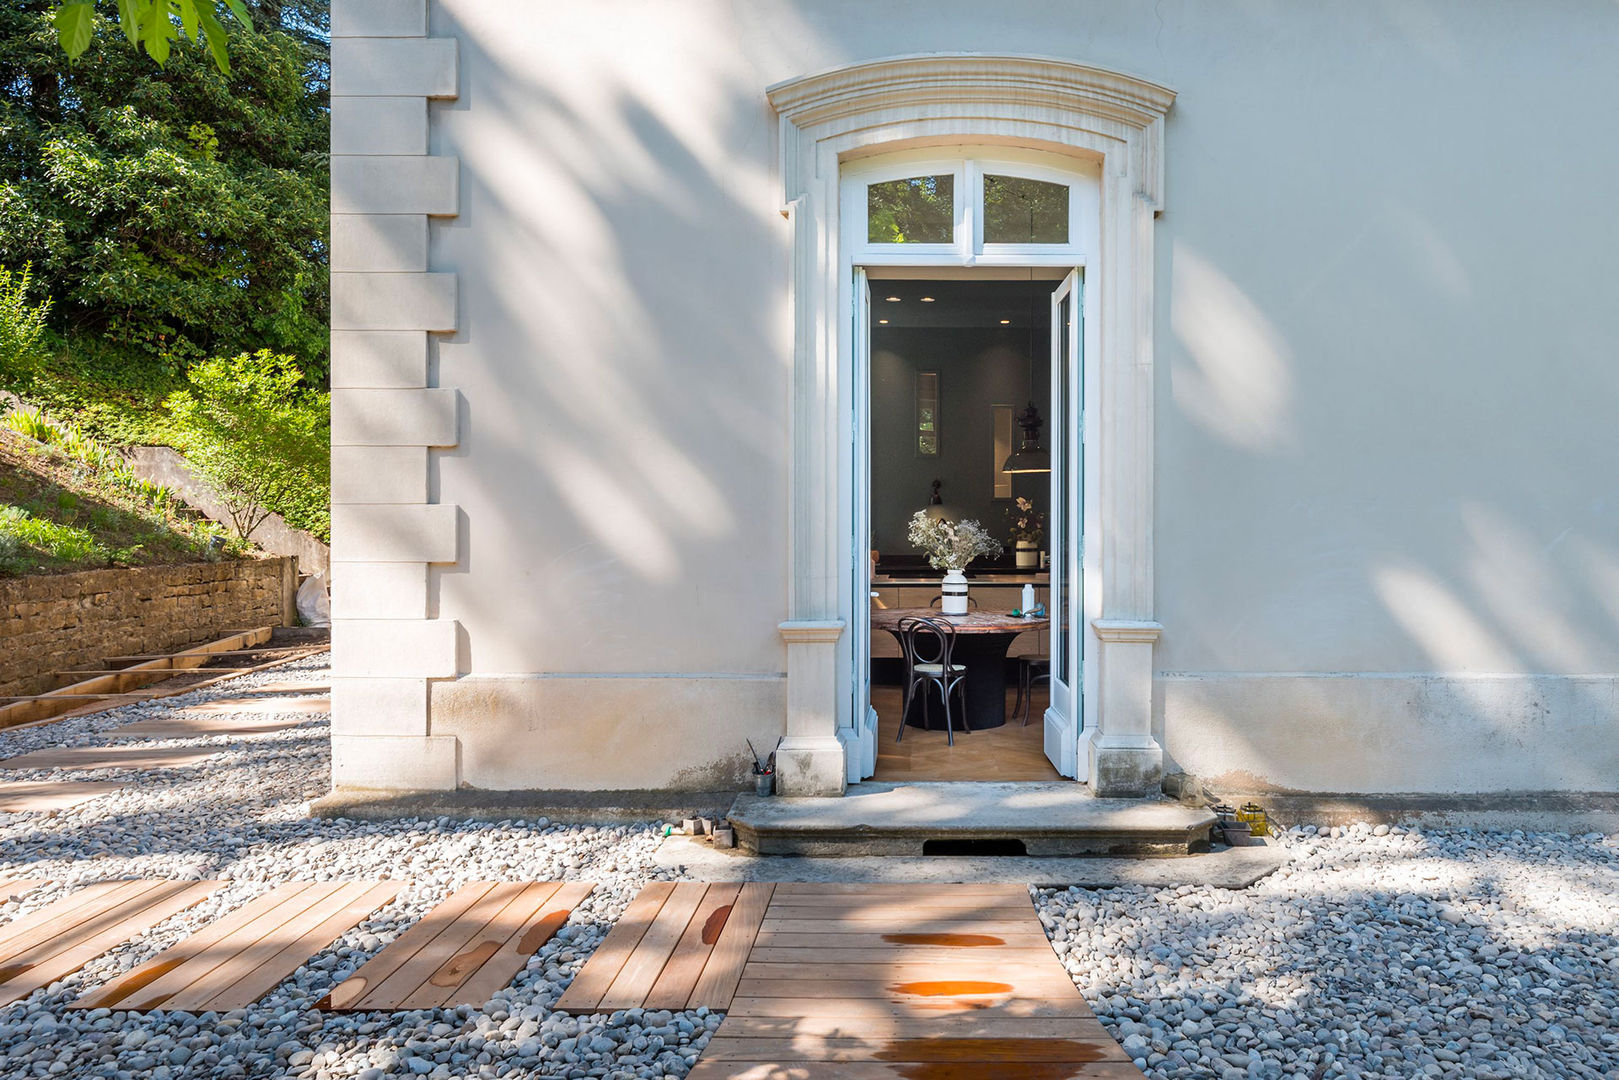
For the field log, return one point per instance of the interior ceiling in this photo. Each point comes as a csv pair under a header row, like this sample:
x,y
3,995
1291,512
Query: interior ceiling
x,y
1023,304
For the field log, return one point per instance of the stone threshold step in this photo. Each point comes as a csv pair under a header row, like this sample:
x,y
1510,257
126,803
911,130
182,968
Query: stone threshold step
x,y
1047,819
1224,868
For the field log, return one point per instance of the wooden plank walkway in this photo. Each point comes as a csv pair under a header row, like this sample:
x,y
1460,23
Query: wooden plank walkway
x,y
86,758
930,982
47,796
231,963
677,946
60,938
196,726
280,705
462,951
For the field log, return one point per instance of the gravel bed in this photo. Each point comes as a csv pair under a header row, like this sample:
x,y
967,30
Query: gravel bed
x,y
1374,953
1377,952
243,817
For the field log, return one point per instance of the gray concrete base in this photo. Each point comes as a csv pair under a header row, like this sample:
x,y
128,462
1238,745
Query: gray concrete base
x,y
696,859
1050,819
1532,811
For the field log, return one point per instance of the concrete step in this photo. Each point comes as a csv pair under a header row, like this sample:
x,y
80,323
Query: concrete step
x,y
1058,818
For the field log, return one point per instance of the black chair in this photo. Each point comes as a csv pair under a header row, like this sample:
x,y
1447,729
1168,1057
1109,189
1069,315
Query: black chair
x,y
1030,670
928,645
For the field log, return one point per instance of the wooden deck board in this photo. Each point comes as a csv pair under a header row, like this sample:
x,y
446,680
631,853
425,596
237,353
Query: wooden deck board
x,y
182,726
60,938
86,758
861,982
675,984
48,796
504,963
280,706
718,982
584,994
640,972
232,962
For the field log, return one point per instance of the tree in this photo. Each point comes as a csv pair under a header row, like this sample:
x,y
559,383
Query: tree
x,y
154,25
173,213
250,426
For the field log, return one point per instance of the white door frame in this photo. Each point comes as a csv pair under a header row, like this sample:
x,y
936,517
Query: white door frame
x,y
1037,104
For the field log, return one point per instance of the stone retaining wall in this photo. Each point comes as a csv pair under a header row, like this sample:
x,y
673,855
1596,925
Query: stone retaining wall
x,y
50,622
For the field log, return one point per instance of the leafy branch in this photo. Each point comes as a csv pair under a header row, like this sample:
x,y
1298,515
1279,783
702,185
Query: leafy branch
x,y
154,25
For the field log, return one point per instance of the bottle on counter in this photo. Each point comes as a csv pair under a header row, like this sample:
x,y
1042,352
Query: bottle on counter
x,y
1027,604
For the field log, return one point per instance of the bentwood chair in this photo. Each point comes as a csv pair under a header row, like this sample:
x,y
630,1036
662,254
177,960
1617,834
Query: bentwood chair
x,y
1030,670
928,645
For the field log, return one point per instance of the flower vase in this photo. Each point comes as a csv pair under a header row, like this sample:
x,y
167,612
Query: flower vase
x,y
953,599
1028,554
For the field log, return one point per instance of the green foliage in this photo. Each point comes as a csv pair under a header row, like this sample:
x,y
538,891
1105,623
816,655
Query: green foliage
x,y
22,328
251,427
25,540
152,24
176,213
99,458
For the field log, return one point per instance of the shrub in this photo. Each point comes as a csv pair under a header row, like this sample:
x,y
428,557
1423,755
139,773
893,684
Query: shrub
x,y
21,531
251,427
22,327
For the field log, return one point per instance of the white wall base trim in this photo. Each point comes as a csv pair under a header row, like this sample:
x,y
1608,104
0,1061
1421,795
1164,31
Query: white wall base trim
x,y
1391,732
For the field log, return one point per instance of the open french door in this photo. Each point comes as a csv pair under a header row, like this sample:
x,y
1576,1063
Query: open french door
x,y
860,745
1066,522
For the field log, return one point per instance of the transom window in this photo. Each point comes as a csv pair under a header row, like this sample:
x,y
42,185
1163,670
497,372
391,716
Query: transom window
x,y
1015,207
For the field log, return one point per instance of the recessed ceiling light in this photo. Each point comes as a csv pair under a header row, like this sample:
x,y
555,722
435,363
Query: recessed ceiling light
x,y
892,299
927,299
1006,322
883,321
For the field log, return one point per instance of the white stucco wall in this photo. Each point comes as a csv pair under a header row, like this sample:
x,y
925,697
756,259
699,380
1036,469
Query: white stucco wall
x,y
1385,392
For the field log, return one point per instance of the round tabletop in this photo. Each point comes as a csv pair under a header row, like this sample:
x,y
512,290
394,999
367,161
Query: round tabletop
x,y
974,622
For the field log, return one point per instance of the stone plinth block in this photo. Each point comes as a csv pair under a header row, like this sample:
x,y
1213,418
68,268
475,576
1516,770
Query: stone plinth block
x,y
379,706
380,591
379,18
379,125
410,534
379,474
393,302
395,184
393,67
394,763
379,358
394,648
379,242
394,417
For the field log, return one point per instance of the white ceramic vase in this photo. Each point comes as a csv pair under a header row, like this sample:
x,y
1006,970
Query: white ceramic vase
x,y
954,593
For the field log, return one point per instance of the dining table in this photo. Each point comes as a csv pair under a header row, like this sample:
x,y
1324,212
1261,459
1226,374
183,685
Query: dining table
x,y
981,643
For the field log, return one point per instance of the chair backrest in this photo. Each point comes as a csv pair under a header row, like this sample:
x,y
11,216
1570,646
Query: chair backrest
x,y
926,641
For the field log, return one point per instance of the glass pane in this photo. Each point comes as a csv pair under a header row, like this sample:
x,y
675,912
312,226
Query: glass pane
x,y
1059,497
1019,211
927,413
916,210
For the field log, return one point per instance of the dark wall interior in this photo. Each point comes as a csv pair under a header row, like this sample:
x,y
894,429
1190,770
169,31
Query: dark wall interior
x,y
981,363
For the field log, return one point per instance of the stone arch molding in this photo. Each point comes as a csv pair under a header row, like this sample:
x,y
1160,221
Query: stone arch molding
x,y
1051,104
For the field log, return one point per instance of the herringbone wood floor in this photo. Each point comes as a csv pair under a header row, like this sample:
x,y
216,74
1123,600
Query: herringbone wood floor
x,y
1012,752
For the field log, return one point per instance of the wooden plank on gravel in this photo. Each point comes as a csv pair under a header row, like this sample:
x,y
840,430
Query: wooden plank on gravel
x,y
938,1009
358,991
14,889
290,706
585,992
393,991
718,982
885,943
49,796
87,758
444,981
62,916
679,977
910,1070
301,939
1078,1047
773,924
527,939
148,984
1003,954
61,955
1047,985
640,972
972,1025
182,726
